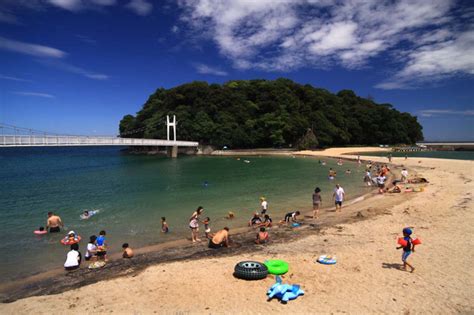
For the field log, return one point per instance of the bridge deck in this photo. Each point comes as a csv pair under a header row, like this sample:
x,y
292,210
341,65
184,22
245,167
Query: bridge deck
x,y
51,141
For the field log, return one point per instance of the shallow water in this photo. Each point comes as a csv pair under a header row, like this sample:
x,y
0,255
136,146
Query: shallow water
x,y
133,192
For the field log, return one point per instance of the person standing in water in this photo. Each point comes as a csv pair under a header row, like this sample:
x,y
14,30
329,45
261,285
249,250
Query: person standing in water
x,y
194,224
263,205
53,223
338,196
317,201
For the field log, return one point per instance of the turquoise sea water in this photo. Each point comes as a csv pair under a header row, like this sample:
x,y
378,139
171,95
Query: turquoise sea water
x,y
133,192
456,155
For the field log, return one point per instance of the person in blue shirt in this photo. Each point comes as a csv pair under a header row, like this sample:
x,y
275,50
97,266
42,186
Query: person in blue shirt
x,y
101,246
407,249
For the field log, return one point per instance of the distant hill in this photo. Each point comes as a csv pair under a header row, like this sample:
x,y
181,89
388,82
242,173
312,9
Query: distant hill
x,y
263,113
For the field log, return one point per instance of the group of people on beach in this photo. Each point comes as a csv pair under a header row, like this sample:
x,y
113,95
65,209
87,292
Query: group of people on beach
x,y
96,249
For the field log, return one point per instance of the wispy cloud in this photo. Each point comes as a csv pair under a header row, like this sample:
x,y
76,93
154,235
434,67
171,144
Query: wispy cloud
x,y
425,39
205,69
140,7
86,39
30,49
444,112
74,69
77,5
45,95
6,77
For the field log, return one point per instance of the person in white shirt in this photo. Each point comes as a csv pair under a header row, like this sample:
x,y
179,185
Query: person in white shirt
x,y
338,196
73,259
404,173
91,249
264,205
381,183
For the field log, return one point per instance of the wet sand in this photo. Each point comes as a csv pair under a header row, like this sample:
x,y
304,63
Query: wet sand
x,y
366,279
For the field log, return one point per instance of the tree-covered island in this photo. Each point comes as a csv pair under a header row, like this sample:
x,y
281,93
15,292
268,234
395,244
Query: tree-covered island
x,y
263,114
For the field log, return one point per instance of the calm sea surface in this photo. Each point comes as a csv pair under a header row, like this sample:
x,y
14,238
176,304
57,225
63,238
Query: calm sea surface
x,y
456,155
133,192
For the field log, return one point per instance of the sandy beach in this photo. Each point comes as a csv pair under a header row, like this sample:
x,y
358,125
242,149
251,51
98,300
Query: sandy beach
x,y
366,280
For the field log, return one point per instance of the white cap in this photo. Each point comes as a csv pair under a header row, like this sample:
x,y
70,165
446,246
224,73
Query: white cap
x,y
71,232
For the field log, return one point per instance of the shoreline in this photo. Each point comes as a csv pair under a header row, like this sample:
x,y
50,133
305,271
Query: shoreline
x,y
446,205
21,287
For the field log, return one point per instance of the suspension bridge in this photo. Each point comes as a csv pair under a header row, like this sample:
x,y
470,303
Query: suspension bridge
x,y
14,136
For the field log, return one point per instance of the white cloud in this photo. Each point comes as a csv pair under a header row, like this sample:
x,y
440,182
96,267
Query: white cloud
x,y
205,69
76,70
6,77
140,7
45,95
71,5
30,49
76,5
175,29
435,61
443,112
286,35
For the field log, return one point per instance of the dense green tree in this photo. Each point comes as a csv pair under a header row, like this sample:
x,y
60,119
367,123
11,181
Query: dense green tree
x,y
262,113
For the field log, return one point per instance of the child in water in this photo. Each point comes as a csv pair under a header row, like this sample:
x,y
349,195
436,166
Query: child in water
x,y
164,225
127,251
408,249
207,229
262,236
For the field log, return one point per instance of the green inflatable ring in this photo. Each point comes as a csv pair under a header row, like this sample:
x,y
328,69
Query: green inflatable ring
x,y
276,266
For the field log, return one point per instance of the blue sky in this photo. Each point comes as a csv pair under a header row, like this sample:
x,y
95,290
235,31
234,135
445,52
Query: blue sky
x,y
78,66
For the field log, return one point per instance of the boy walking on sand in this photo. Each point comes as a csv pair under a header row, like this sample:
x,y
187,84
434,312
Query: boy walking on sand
x,y
407,249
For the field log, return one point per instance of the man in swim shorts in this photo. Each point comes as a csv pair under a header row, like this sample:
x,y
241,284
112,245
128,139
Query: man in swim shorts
x,y
53,223
220,239
338,195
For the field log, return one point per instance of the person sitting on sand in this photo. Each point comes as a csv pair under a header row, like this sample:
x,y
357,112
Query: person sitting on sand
x,y
73,259
418,180
396,189
127,251
267,221
404,174
220,239
408,249
53,223
164,225
262,236
291,216
255,220
91,249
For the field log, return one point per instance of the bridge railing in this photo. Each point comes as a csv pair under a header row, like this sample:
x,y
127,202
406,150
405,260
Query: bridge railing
x,y
35,140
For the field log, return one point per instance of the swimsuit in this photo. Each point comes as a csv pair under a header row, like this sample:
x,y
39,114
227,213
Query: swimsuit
x,y
214,245
55,229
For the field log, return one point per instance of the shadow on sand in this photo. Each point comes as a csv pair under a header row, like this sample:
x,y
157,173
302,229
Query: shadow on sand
x,y
393,266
